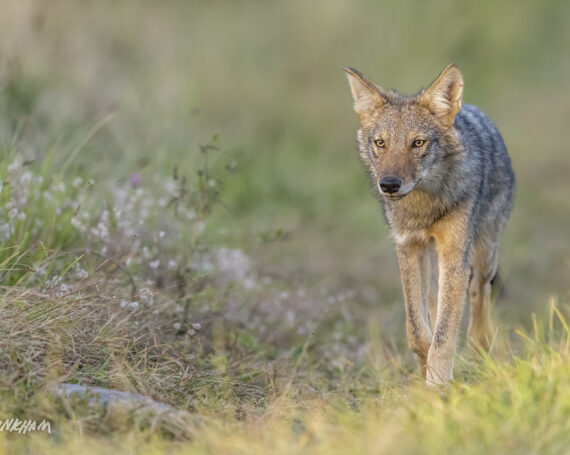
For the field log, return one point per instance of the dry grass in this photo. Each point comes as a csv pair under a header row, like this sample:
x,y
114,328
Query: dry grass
x,y
245,278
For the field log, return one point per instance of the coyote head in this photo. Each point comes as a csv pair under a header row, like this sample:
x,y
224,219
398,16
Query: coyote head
x,y
403,140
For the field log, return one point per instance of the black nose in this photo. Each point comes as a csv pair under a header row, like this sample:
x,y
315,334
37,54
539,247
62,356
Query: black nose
x,y
390,184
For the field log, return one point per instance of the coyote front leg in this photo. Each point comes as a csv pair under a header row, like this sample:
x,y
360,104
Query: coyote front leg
x,y
417,329
453,284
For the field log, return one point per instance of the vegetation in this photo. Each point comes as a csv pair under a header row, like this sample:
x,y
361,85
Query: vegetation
x,y
183,216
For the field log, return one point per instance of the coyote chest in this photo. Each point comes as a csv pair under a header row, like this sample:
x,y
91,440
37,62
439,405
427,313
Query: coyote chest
x,y
412,219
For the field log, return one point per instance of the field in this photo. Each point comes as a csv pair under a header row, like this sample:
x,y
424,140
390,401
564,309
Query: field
x,y
183,216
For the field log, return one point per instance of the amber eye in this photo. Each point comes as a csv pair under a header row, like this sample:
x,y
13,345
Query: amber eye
x,y
379,143
419,142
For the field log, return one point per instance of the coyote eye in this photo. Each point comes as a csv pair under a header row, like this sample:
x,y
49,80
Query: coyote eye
x,y
379,143
419,142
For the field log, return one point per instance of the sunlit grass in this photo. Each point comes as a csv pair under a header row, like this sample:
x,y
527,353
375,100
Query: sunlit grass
x,y
183,216
516,404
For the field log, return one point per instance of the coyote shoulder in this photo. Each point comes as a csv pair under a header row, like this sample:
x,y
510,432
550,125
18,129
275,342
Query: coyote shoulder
x,y
444,177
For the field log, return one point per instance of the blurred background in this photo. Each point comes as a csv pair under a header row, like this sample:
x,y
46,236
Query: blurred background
x,y
148,82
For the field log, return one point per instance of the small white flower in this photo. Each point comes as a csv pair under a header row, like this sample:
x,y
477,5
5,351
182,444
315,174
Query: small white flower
x,y
134,305
26,178
176,325
154,264
76,223
82,273
13,166
146,296
170,186
249,283
161,234
172,264
77,182
5,232
196,326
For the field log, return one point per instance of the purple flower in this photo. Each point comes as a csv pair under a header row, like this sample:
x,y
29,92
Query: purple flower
x,y
135,180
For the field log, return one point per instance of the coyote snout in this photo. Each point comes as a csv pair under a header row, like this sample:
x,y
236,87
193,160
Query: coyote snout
x,y
390,184
445,178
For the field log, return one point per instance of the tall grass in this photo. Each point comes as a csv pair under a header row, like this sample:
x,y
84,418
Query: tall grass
x,y
182,215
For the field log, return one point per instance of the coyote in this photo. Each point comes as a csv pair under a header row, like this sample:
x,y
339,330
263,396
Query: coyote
x,y
444,177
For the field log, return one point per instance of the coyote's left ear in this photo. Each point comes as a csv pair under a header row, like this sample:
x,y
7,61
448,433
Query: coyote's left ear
x,y
443,96
367,96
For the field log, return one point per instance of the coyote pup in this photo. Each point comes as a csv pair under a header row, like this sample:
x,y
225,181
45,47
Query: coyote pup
x,y
444,177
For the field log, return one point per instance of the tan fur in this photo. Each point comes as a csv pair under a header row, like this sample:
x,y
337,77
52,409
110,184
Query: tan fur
x,y
446,212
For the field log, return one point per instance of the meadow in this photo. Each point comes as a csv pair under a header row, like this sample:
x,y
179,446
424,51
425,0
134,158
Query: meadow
x,y
183,216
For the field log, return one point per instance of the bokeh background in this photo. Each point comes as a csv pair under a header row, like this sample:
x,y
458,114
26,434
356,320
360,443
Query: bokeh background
x,y
154,80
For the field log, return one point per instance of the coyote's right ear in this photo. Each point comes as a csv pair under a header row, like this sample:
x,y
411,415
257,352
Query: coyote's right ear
x,y
367,96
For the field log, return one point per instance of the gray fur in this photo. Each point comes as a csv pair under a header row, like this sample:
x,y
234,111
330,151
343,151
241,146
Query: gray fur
x,y
455,197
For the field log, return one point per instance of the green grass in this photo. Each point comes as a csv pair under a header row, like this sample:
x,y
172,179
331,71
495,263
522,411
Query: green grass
x,y
183,215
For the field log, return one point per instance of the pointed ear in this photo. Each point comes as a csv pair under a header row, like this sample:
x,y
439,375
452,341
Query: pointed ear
x,y
367,96
443,96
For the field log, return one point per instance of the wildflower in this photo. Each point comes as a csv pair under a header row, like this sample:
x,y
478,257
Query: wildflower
x,y
154,264
26,178
5,232
233,265
82,273
146,296
176,326
76,223
249,283
170,186
13,166
134,180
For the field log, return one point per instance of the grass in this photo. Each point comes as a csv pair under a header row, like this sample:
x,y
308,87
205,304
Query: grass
x,y
249,358
182,215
